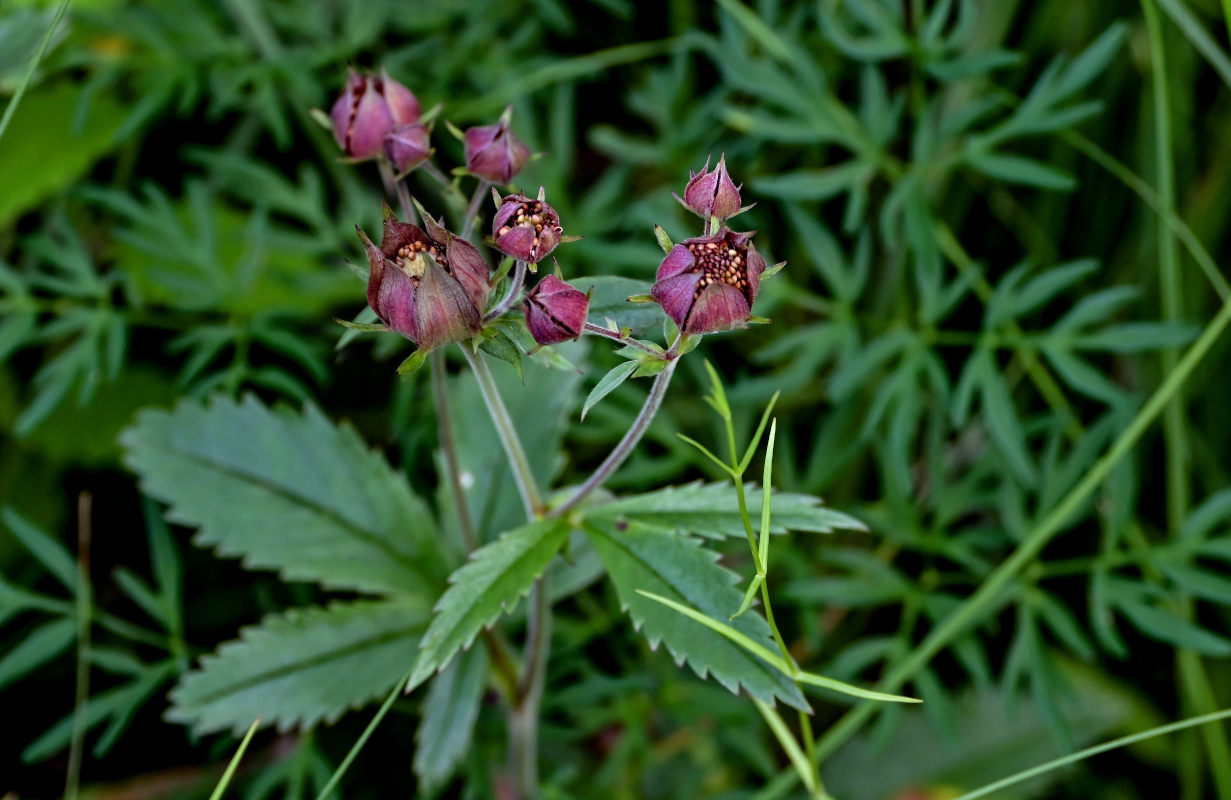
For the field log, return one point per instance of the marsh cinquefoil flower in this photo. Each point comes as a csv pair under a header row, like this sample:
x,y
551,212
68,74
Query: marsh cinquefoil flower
x,y
369,108
555,311
430,286
526,229
493,152
710,283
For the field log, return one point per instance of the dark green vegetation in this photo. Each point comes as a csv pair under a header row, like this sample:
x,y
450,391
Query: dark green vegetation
x,y
1000,342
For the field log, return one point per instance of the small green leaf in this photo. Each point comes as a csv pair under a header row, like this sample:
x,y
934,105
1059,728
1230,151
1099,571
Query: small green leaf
x,y
412,363
376,327
449,713
492,582
1020,170
608,383
497,344
749,595
40,646
664,241
50,553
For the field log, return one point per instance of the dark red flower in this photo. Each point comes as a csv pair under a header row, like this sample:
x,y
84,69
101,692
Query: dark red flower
x,y
369,108
494,153
555,311
526,229
710,283
431,287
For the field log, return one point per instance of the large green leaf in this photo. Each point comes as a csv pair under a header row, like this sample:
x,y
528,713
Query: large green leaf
x,y
287,491
712,510
494,579
677,567
302,667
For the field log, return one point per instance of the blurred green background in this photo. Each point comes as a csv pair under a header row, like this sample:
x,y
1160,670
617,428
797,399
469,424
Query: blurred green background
x,y
972,199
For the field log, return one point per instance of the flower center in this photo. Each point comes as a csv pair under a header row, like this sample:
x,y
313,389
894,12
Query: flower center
x,y
534,215
410,259
719,262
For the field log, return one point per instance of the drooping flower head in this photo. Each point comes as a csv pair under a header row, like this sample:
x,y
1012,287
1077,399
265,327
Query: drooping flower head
x,y
526,229
710,283
711,194
368,109
555,311
493,152
431,286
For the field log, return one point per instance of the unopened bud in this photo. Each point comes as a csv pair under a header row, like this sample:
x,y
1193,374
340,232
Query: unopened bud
x,y
555,311
369,108
494,153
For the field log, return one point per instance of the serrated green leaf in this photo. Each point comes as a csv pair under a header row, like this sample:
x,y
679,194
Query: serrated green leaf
x,y
639,558
608,384
40,646
712,510
287,491
497,576
449,713
302,667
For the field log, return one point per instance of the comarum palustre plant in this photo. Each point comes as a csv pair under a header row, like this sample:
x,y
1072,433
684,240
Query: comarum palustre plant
x,y
435,288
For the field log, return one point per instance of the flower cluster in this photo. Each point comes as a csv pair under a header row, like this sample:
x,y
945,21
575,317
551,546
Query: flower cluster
x,y
432,286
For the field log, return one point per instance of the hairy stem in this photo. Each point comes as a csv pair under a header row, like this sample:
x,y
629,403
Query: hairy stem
x,y
505,429
616,336
622,450
524,715
397,188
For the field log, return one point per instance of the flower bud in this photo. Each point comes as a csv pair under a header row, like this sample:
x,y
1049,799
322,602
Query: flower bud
x,y
430,288
526,229
494,153
408,146
711,194
709,283
555,311
369,108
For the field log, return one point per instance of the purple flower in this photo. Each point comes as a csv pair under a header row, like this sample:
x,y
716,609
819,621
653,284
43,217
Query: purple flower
x,y
431,287
526,229
711,194
368,109
494,153
408,146
555,311
709,283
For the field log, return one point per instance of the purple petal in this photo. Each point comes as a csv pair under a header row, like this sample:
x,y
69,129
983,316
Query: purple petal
x,y
718,308
675,294
469,268
403,105
518,242
678,261
443,311
394,301
370,124
756,265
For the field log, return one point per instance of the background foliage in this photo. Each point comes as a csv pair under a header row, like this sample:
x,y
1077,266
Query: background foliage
x,y
1003,224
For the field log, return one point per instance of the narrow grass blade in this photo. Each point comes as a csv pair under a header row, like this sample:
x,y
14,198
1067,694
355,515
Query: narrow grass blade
x,y
363,738
1080,755
235,759
34,62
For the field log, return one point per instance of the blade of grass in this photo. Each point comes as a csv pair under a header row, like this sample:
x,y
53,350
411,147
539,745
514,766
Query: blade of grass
x,y
235,759
1080,755
1192,681
34,62
363,737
